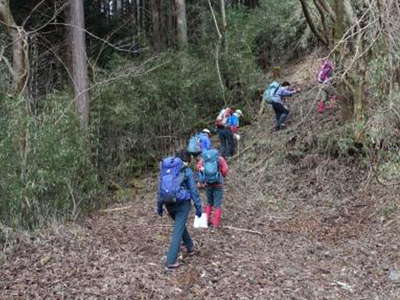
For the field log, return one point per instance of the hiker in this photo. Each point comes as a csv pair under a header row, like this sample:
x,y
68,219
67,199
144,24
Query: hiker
x,y
233,123
199,142
205,141
281,111
176,188
224,133
212,169
324,77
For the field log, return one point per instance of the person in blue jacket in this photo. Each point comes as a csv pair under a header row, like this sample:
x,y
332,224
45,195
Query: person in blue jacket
x,y
205,141
233,125
179,212
281,111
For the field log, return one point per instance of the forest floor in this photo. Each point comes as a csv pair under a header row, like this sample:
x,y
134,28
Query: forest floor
x,y
297,224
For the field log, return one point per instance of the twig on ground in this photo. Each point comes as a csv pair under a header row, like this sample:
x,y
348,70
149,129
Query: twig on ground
x,y
244,150
244,230
265,159
115,209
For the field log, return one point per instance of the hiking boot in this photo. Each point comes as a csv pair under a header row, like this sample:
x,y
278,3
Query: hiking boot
x,y
172,266
321,107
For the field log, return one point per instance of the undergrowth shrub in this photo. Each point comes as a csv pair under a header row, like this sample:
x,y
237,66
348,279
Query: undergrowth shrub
x,y
45,162
280,32
145,116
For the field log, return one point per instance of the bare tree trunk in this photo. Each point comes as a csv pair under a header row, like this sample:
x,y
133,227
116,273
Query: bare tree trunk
x,y
311,23
137,14
155,13
339,29
118,7
79,61
223,15
20,65
359,105
181,22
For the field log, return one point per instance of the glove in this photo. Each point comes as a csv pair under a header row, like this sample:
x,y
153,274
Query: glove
x,y
198,211
160,211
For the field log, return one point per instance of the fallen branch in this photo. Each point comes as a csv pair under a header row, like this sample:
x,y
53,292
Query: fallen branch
x,y
115,209
244,150
244,230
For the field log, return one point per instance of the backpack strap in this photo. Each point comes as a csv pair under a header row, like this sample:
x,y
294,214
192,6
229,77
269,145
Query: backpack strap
x,y
276,90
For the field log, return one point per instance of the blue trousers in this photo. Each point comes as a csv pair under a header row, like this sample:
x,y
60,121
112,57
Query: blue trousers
x,y
179,212
215,195
281,113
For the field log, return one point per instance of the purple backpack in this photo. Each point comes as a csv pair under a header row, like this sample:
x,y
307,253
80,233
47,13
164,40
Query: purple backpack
x,y
325,72
171,181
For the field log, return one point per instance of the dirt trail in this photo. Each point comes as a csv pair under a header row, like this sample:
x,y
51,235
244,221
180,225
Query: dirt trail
x,y
325,231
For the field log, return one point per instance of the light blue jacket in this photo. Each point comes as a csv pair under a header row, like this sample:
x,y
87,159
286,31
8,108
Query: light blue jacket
x,y
282,92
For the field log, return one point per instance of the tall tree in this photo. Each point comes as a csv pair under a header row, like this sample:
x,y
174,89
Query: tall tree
x,y
79,60
156,14
223,14
20,65
181,21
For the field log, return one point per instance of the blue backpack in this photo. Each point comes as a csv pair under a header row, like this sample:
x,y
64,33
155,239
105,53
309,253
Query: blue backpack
x,y
194,144
270,92
211,173
171,180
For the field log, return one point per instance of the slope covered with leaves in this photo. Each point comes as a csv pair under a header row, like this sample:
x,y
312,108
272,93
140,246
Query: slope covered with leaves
x,y
304,218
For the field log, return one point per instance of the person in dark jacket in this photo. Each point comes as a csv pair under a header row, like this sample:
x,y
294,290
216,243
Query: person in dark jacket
x,y
225,135
179,212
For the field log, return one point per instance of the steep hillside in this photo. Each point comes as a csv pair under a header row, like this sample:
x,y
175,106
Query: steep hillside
x,y
304,218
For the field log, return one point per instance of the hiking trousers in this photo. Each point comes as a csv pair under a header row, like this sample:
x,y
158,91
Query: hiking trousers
x,y
281,114
215,195
179,212
231,143
227,142
223,141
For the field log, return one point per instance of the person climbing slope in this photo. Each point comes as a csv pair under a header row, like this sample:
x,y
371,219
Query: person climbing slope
x,y
324,77
205,141
233,123
281,111
224,133
199,142
176,188
212,169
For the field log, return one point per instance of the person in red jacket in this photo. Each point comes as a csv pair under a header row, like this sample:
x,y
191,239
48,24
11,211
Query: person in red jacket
x,y
214,191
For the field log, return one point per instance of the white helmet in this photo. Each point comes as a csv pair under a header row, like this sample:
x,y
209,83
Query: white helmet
x,y
239,112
